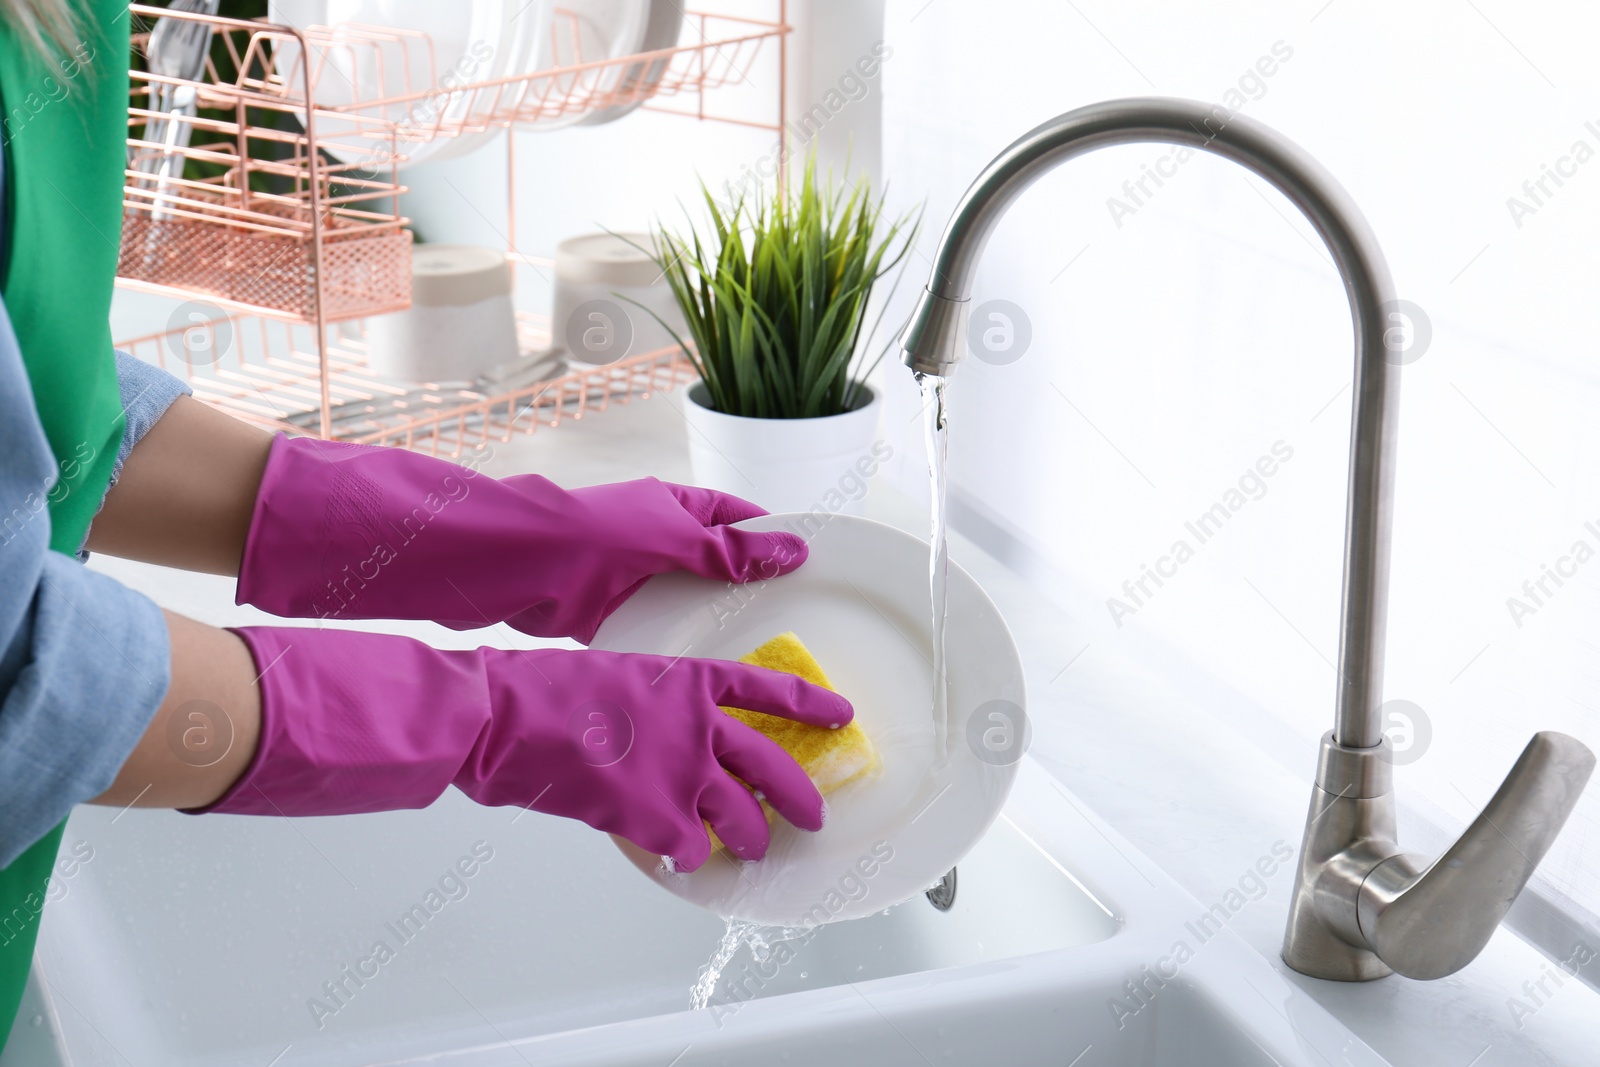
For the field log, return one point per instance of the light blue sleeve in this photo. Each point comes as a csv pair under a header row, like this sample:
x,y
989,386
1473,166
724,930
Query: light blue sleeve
x,y
84,661
147,393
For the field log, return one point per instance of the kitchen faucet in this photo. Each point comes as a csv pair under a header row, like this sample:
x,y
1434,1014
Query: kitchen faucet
x,y
1362,908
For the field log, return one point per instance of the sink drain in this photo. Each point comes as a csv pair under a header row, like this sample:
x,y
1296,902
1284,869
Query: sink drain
x,y
943,895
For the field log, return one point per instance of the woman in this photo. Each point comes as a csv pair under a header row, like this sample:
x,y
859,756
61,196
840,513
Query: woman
x,y
99,688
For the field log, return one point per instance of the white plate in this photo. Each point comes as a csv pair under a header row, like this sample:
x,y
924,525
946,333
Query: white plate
x,y
665,24
528,24
588,32
473,41
861,604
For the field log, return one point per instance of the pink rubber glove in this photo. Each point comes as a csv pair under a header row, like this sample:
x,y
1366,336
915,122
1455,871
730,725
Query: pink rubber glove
x,y
633,745
355,532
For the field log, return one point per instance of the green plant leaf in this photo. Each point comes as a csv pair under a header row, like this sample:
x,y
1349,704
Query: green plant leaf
x,y
776,297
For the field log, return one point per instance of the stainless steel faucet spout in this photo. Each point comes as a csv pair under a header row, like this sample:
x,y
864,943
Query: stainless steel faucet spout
x,y
1362,908
934,341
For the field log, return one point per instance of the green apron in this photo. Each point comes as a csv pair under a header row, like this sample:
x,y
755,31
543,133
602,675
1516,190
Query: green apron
x,y
65,131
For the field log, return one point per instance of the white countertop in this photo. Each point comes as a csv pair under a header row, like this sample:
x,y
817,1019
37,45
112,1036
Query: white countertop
x,y
1161,753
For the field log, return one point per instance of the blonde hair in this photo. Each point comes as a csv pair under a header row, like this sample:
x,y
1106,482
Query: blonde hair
x,y
49,25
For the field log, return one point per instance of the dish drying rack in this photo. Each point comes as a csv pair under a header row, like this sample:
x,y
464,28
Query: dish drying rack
x,y
280,248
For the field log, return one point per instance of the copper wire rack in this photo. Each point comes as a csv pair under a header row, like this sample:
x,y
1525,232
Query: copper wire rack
x,y
269,371
249,211
274,208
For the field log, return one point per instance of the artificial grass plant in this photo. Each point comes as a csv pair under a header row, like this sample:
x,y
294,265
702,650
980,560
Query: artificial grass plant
x,y
777,305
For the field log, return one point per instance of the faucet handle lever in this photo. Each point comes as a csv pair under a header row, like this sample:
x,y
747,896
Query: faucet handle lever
x,y
1429,921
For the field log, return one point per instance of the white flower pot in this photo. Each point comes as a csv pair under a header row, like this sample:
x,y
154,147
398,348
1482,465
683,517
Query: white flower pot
x,y
787,464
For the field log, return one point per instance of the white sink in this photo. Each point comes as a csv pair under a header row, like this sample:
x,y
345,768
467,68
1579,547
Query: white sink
x,y
205,941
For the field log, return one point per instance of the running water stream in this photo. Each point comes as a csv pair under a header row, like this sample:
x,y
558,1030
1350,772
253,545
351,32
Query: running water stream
x,y
732,938
762,939
739,934
936,434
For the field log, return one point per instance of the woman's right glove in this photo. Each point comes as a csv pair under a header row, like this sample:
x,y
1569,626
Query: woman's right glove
x,y
635,745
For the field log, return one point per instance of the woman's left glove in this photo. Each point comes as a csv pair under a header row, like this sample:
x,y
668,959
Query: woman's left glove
x,y
634,745
344,531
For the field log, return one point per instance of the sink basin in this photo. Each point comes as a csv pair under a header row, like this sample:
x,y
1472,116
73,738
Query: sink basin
x,y
474,937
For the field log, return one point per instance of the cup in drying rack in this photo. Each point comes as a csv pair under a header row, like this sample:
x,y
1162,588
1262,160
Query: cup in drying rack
x,y
460,326
598,277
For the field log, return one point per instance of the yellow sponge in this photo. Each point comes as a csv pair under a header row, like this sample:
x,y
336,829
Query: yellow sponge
x,y
831,757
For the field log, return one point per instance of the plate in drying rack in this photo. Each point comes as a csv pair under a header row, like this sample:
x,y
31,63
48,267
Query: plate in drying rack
x,y
404,53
